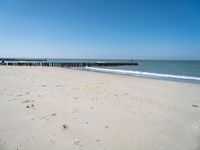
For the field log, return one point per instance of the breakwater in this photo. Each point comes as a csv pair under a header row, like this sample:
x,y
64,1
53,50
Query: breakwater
x,y
44,62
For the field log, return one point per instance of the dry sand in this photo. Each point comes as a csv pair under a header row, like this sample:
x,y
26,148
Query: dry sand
x,y
64,109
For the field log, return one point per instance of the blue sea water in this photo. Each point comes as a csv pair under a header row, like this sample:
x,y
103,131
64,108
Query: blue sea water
x,y
184,70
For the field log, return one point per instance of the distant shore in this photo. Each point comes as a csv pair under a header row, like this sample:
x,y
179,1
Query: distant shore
x,y
55,108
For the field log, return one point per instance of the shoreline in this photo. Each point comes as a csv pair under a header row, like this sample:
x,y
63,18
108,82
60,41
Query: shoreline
x,y
57,108
150,75
111,73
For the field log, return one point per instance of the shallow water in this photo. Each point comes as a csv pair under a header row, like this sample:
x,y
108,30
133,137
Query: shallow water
x,y
167,69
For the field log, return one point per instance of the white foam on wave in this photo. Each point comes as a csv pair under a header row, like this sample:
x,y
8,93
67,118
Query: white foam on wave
x,y
139,73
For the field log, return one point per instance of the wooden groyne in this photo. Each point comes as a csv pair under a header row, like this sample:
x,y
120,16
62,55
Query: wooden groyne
x,y
44,62
69,64
17,59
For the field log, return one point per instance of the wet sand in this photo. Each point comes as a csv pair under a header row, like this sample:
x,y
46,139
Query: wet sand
x,y
56,108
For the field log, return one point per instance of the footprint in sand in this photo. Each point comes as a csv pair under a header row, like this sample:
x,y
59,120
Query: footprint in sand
x,y
44,117
54,114
43,85
106,127
27,101
97,140
52,140
76,141
58,85
74,111
194,105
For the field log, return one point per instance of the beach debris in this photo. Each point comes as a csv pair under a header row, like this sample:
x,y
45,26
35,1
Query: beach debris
x,y
97,140
65,126
27,92
43,85
87,122
194,105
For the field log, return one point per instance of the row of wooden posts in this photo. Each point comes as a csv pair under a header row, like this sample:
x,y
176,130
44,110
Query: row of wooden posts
x,y
68,64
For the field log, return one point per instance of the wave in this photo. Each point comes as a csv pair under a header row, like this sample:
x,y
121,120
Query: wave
x,y
146,74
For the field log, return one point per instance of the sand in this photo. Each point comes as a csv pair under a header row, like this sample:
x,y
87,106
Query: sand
x,y
64,109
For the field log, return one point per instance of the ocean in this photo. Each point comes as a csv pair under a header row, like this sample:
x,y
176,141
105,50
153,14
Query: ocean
x,y
181,70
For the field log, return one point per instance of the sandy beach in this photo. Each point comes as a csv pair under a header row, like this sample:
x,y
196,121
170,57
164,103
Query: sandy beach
x,y
64,109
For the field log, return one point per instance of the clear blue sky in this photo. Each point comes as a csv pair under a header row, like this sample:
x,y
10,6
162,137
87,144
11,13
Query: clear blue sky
x,y
140,29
